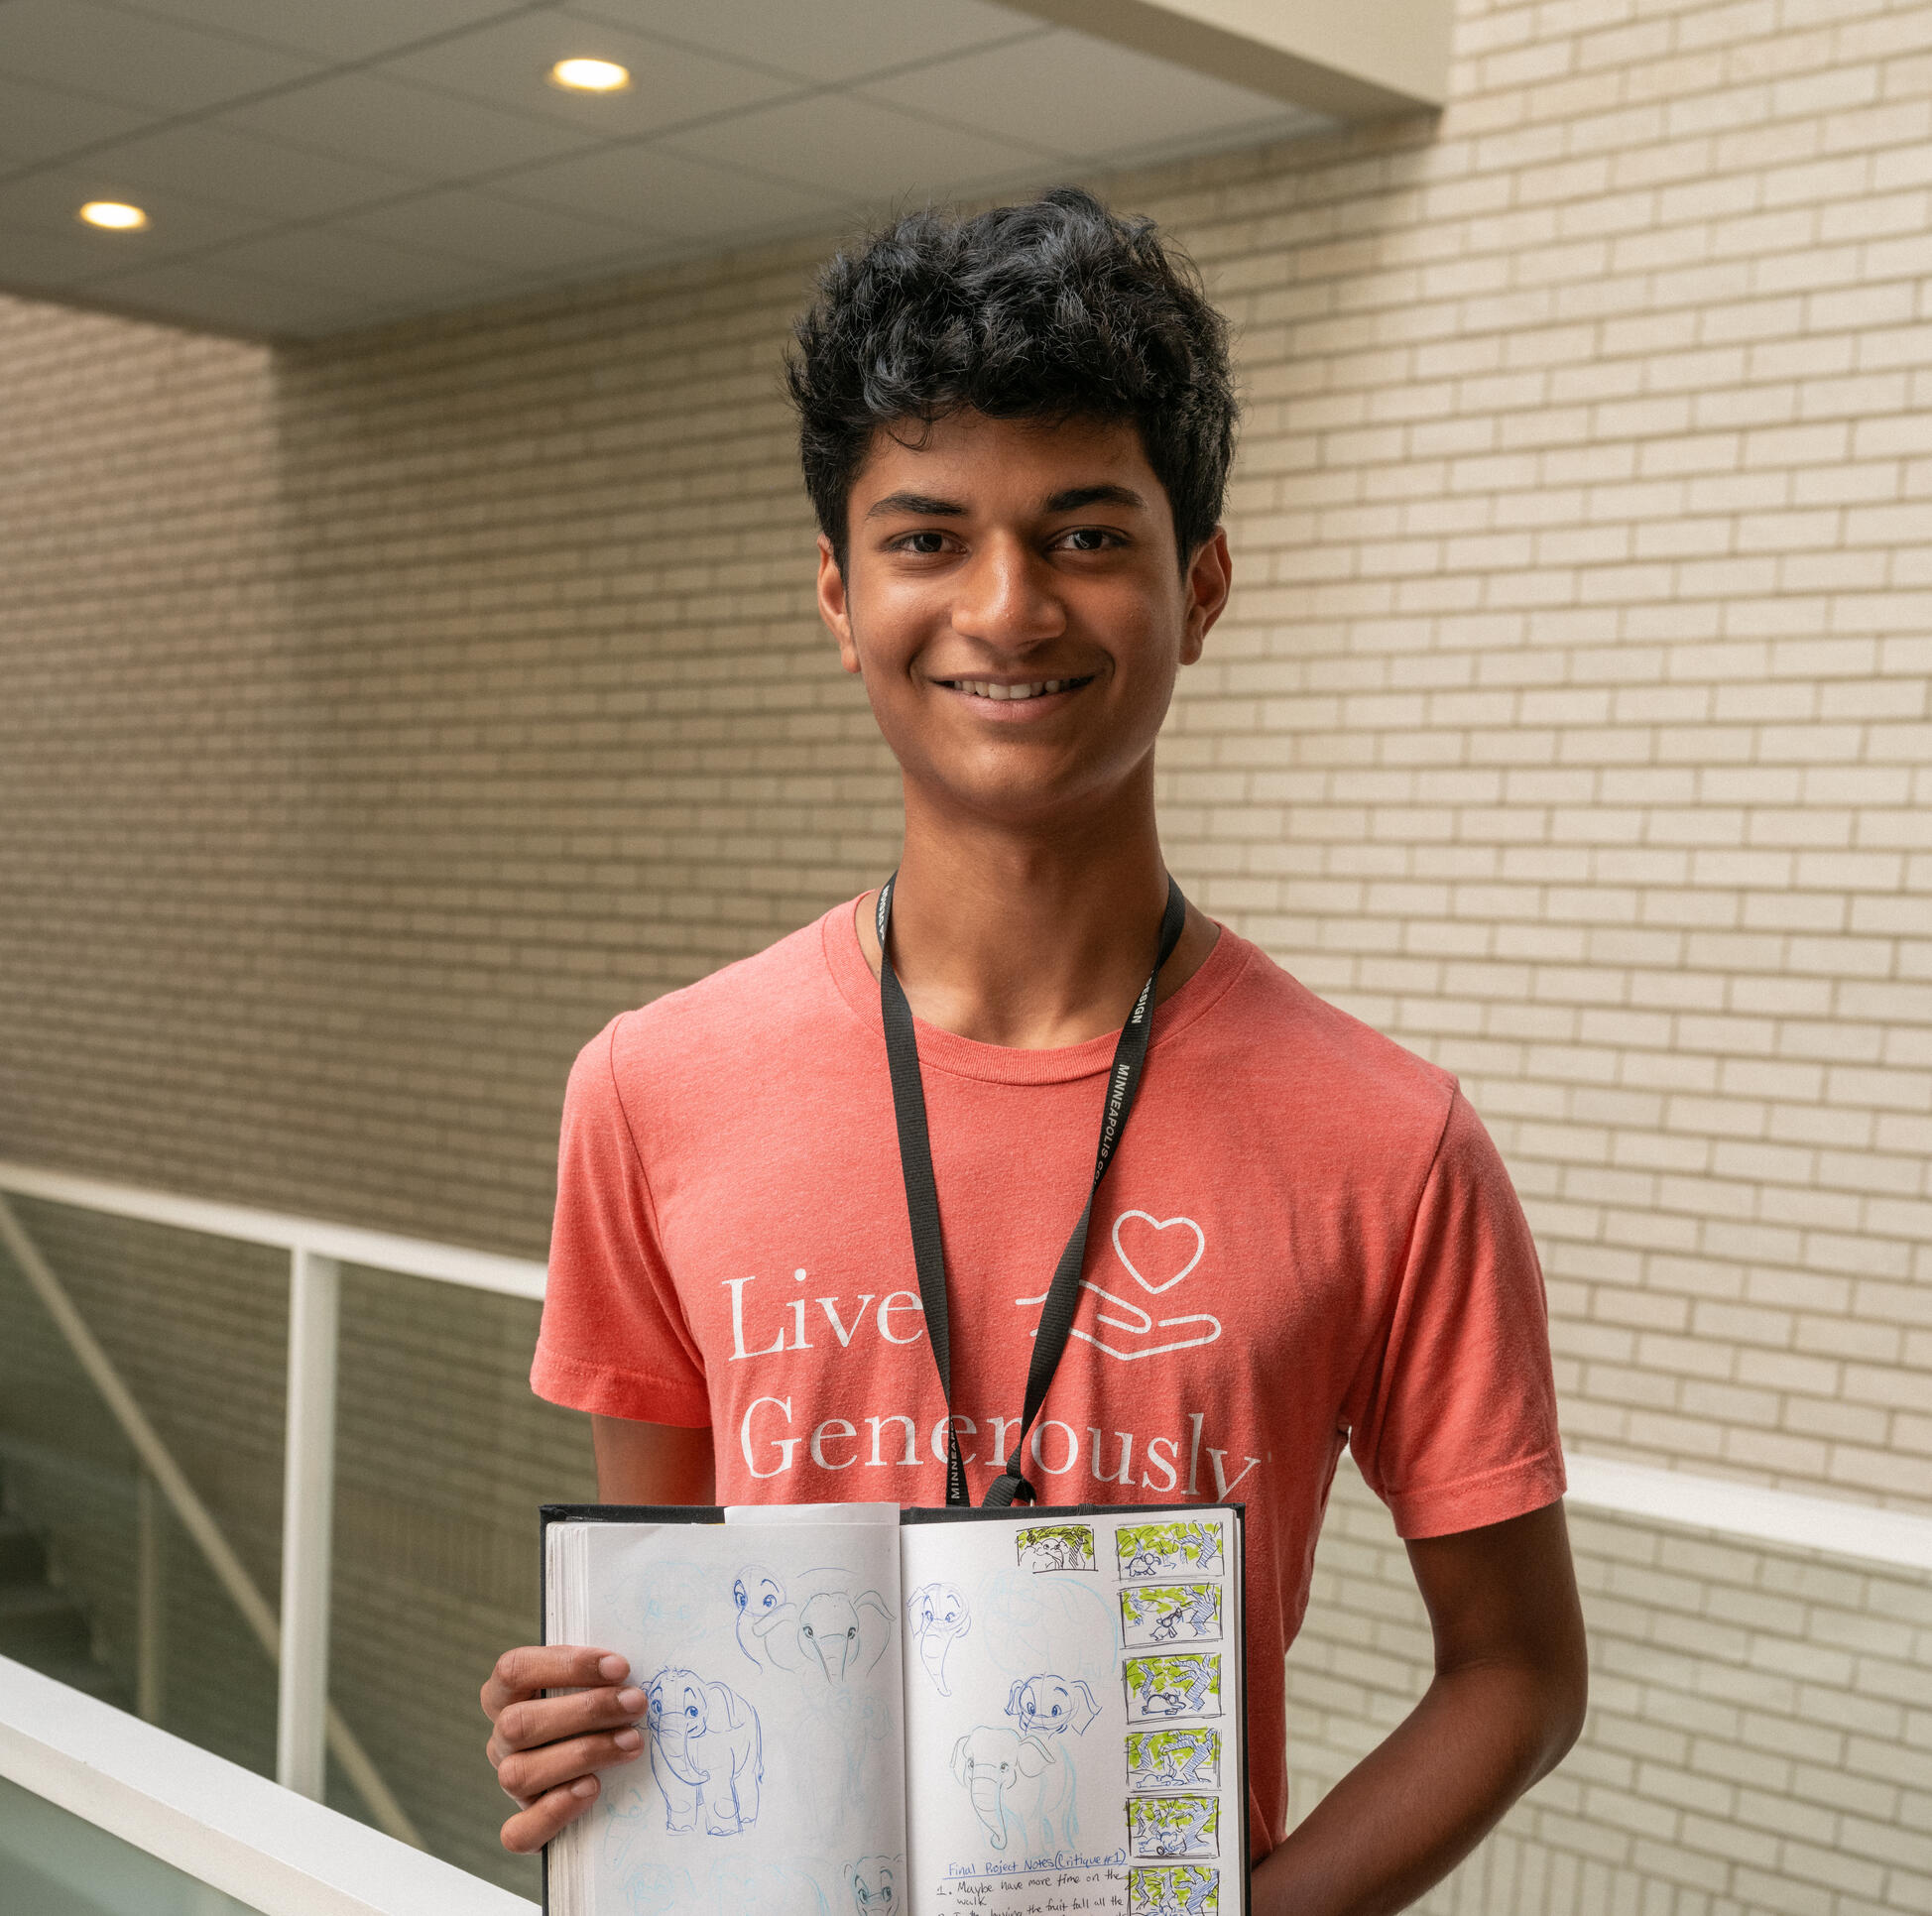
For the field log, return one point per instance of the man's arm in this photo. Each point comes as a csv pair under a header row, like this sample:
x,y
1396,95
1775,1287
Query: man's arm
x,y
652,1463
548,1750
1505,1703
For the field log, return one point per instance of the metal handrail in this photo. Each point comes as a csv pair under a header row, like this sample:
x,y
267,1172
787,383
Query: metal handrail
x,y
347,1244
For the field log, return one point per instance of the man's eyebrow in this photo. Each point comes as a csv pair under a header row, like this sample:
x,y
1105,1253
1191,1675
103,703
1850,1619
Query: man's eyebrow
x,y
919,505
1075,496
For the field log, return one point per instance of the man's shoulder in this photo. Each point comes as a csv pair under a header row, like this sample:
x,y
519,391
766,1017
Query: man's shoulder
x,y
1354,1071
758,1006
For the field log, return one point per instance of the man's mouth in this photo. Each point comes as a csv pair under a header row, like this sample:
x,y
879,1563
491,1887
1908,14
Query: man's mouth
x,y
995,690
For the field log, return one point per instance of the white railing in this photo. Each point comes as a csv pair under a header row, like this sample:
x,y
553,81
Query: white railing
x,y
1786,1519
266,1846
318,1251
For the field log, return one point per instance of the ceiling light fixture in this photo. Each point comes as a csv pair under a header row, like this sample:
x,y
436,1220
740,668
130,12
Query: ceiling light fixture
x,y
590,75
115,214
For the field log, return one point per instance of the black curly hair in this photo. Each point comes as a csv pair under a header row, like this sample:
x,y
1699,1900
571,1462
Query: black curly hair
x,y
1055,310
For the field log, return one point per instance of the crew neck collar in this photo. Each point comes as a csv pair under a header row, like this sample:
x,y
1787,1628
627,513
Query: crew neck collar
x,y
942,1050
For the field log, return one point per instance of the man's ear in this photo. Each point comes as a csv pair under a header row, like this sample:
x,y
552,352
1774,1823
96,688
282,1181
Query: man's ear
x,y
832,605
1209,577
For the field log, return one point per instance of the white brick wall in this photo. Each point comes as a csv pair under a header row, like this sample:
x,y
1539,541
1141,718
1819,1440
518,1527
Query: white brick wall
x,y
1573,723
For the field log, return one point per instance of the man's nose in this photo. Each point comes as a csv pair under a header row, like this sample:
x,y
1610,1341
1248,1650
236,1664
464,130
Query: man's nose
x,y
1006,597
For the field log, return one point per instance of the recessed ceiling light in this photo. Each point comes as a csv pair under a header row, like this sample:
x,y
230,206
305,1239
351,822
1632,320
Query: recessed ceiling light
x,y
113,213
590,75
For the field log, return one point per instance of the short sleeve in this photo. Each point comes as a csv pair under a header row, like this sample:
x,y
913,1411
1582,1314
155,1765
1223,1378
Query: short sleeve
x,y
613,1340
1456,1423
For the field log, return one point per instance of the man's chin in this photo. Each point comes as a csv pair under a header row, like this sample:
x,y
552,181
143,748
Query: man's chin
x,y
1013,797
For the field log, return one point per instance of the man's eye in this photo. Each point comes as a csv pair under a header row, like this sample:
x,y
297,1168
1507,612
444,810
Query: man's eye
x,y
1089,538
926,544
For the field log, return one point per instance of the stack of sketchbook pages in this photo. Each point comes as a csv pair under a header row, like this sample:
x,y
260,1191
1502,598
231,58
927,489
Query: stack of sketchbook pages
x,y
854,1711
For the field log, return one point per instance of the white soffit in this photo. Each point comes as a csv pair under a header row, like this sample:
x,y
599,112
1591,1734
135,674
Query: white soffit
x,y
310,165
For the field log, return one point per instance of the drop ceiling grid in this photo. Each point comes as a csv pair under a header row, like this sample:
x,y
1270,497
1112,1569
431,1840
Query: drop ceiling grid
x,y
338,165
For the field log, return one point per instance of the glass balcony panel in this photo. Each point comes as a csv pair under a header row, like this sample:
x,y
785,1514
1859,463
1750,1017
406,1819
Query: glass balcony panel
x,y
442,1455
100,1585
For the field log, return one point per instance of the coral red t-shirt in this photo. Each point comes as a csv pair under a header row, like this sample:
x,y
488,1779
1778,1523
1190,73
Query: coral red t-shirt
x,y
1306,1239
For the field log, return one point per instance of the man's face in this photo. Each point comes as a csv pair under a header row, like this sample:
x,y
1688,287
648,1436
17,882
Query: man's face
x,y
1016,605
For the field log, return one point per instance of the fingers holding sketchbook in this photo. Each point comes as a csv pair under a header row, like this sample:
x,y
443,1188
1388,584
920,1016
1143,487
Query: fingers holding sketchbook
x,y
546,1749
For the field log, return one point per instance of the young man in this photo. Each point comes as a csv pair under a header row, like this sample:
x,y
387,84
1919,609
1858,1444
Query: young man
x,y
1017,432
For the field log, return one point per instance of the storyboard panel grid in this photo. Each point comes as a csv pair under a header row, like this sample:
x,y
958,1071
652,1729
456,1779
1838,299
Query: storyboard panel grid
x,y
1175,1620
1082,1674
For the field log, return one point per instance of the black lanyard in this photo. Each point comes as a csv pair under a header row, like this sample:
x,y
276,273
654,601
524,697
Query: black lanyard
x,y
922,1196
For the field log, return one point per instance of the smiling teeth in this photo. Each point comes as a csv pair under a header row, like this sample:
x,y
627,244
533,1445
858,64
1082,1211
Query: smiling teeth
x,y
984,688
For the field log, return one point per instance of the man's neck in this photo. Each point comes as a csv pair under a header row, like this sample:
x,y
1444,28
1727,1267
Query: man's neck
x,y
1031,939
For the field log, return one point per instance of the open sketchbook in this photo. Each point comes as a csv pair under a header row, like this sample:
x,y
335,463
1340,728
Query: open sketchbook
x,y
855,1711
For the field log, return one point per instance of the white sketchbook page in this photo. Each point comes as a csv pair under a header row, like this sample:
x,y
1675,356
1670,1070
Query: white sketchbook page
x,y
1070,1716
782,1643
811,1513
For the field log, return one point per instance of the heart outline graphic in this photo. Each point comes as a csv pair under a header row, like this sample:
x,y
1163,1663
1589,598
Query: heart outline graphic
x,y
1158,1224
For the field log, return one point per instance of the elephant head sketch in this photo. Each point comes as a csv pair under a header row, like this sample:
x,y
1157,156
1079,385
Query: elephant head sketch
x,y
706,1752
1014,1780
939,1614
830,1634
1051,1705
754,1594
874,1886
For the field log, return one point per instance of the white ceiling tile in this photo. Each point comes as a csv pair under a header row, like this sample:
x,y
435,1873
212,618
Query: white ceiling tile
x,y
127,56
1288,123
685,198
865,152
508,64
829,41
329,29
48,202
31,261
1076,95
241,169
331,258
41,122
451,173
388,123
512,234
196,294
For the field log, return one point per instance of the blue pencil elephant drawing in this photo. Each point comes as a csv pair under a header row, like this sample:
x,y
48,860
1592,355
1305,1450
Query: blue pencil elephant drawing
x,y
874,1882
1019,1786
1046,1706
707,1755
820,1630
1051,1705
755,1593
938,1615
